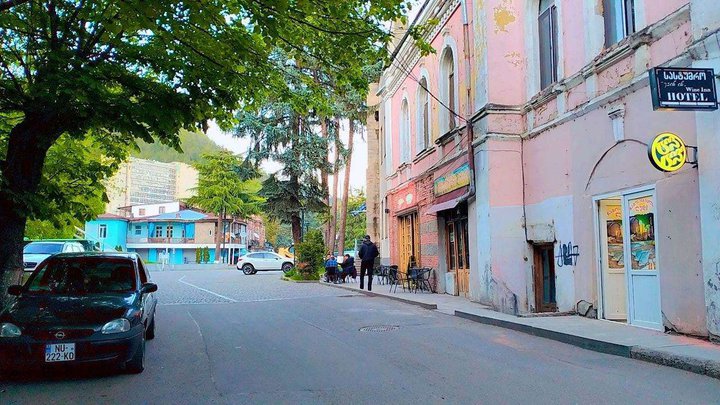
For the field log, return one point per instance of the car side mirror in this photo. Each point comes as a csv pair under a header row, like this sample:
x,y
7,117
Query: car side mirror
x,y
15,290
148,288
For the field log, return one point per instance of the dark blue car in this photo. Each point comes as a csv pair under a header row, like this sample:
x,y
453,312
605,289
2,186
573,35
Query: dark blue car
x,y
80,309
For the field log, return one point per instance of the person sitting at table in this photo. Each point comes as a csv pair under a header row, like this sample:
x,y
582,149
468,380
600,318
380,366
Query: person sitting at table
x,y
331,269
348,267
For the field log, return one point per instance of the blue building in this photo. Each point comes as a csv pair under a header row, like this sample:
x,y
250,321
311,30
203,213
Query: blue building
x,y
108,232
170,237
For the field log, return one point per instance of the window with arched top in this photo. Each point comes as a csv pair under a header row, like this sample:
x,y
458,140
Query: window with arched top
x,y
404,132
448,91
548,42
423,116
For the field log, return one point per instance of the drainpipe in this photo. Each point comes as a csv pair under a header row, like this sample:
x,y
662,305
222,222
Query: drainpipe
x,y
468,89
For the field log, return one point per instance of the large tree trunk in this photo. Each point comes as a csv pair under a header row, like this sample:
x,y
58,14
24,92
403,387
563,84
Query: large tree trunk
x,y
332,233
21,172
324,180
346,190
296,225
219,235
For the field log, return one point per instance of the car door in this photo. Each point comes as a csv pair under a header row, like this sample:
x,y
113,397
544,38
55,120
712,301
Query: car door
x,y
258,261
149,301
273,261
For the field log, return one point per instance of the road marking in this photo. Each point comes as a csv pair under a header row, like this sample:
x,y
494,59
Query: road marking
x,y
207,291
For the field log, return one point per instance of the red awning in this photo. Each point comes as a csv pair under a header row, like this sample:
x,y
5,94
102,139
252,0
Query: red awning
x,y
447,205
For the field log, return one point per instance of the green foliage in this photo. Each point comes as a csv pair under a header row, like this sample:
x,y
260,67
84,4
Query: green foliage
x,y
198,255
193,145
72,188
356,225
284,237
205,254
118,248
272,230
225,186
311,253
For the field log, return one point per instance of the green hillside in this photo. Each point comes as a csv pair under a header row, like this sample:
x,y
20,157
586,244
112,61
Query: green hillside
x,y
193,144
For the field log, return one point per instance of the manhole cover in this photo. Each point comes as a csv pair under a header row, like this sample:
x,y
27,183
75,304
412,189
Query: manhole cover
x,y
379,328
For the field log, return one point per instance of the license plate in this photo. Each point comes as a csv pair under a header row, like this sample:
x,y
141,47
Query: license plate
x,y
59,352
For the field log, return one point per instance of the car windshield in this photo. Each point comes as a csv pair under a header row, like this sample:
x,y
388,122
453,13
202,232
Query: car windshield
x,y
43,248
84,275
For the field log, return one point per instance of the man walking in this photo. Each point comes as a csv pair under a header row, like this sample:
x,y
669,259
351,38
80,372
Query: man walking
x,y
368,252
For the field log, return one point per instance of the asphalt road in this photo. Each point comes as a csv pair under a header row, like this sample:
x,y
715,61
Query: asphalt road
x,y
223,337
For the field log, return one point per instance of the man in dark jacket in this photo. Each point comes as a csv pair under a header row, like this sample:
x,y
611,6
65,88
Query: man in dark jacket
x,y
368,252
348,266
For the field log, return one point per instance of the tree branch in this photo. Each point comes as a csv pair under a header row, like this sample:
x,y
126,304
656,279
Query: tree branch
x,y
7,5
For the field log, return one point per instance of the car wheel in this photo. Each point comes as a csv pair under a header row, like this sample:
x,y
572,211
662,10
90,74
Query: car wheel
x,y
136,365
286,267
150,334
248,269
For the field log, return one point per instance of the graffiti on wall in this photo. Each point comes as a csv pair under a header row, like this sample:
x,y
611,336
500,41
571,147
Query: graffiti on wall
x,y
567,254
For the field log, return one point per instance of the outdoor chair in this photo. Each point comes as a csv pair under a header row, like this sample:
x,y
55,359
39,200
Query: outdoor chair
x,y
396,278
382,274
423,279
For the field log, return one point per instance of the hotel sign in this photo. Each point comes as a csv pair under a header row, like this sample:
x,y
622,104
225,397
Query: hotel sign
x,y
452,181
683,89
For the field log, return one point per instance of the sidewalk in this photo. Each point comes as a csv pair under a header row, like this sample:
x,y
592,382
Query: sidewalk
x,y
686,353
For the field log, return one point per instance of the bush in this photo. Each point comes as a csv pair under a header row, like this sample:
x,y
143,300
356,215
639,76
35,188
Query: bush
x,y
198,255
310,254
206,254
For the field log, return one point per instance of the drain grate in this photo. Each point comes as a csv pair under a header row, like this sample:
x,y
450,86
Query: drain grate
x,y
379,328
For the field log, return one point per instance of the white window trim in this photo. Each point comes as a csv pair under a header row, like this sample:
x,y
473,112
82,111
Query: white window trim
x,y
448,44
420,144
532,46
405,130
101,228
387,126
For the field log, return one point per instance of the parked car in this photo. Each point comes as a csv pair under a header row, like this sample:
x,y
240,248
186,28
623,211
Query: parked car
x,y
253,262
36,252
80,308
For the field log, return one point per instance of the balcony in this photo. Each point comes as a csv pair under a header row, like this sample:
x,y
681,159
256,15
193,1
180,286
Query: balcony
x,y
173,241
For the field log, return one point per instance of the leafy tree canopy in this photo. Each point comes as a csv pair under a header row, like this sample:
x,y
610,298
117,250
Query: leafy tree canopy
x,y
226,186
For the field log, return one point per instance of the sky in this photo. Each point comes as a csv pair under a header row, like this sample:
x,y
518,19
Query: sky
x,y
359,160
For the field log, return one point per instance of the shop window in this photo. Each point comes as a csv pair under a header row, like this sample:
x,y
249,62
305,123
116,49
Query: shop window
x,y
548,41
619,20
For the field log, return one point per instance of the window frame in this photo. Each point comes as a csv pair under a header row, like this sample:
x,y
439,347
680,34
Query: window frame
x,y
405,143
627,16
449,66
159,231
102,231
423,131
549,70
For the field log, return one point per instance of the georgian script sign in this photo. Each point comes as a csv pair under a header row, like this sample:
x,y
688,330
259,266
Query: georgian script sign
x,y
685,89
667,152
459,177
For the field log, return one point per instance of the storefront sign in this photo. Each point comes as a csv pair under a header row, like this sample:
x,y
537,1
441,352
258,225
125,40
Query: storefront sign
x,y
667,152
683,89
458,178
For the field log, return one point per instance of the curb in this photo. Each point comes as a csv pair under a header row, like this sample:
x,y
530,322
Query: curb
x,y
298,281
695,365
372,294
585,343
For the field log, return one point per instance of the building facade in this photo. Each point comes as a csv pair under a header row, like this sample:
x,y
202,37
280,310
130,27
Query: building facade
x,y
563,210
142,181
175,235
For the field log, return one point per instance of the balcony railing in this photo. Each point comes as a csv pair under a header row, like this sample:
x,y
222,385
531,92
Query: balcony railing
x,y
162,240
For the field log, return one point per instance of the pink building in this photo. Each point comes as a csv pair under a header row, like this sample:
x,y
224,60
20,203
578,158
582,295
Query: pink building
x,y
560,208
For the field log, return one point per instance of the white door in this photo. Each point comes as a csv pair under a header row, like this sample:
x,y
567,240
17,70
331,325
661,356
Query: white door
x,y
612,251
641,260
273,261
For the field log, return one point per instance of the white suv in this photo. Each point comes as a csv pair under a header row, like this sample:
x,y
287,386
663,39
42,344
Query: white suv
x,y
253,262
35,252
